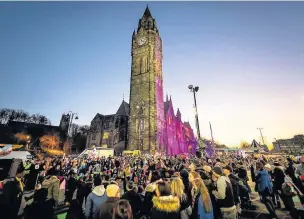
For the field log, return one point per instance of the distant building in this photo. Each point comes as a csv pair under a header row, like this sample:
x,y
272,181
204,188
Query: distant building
x,y
34,130
293,145
110,131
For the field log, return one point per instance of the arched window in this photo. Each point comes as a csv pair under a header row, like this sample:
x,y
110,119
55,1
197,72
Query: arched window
x,y
144,65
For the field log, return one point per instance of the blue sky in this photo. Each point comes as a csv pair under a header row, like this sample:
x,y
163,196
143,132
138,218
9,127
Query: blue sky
x,y
247,58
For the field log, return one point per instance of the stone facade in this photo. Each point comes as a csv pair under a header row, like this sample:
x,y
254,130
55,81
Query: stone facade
x,y
110,131
152,127
146,90
149,124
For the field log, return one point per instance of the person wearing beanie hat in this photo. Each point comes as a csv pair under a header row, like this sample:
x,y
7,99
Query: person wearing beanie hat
x,y
113,194
224,193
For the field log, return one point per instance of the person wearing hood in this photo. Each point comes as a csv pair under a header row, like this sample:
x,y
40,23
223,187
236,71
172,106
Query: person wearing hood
x,y
94,200
165,206
51,183
106,209
264,188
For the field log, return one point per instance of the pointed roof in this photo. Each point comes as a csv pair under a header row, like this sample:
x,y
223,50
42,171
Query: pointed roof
x,y
124,109
166,106
147,12
256,146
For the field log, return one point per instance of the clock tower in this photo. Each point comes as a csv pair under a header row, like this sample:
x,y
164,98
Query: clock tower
x,y
146,121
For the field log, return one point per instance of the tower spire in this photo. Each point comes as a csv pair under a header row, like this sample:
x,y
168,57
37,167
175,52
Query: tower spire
x,y
147,12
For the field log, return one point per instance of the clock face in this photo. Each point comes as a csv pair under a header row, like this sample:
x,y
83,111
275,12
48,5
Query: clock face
x,y
141,41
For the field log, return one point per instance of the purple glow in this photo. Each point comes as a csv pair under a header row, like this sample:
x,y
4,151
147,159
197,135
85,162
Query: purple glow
x,y
160,113
179,136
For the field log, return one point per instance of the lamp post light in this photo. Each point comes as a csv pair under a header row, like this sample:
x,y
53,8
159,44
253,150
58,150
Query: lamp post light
x,y
194,90
72,117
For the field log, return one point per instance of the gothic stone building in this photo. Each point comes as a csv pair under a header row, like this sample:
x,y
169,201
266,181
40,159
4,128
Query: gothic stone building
x,y
151,126
148,123
110,131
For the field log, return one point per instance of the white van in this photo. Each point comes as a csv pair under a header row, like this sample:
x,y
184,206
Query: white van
x,y
100,152
23,155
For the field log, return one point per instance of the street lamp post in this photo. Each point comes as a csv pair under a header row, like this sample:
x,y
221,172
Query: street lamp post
x,y
261,135
194,90
71,114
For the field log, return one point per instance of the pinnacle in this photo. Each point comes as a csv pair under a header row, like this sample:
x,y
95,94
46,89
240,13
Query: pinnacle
x,y
147,12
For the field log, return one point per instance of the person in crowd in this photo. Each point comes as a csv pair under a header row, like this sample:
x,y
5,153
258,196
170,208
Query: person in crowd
x,y
75,211
41,206
202,205
94,200
227,170
12,194
165,206
122,210
106,209
278,182
184,174
264,188
177,189
147,204
71,186
290,170
244,189
83,190
51,183
224,194
133,197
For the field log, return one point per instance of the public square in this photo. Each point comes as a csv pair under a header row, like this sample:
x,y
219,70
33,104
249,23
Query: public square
x,y
166,110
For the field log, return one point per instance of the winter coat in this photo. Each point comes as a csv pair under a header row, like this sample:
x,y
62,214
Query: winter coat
x,y
106,209
51,183
278,177
38,210
186,208
94,200
147,204
165,207
235,187
134,200
11,198
263,184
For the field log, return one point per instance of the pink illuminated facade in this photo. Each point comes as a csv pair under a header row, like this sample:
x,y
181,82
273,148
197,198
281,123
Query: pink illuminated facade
x,y
179,136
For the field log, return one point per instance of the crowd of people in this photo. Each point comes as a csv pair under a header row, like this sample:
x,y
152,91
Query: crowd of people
x,y
150,187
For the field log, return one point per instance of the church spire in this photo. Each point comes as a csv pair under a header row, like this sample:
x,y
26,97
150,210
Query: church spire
x,y
147,22
147,12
